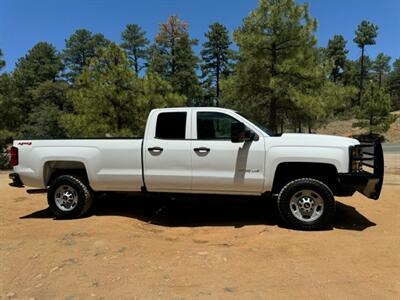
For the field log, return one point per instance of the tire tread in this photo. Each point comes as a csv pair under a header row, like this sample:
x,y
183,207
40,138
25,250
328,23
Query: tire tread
x,y
87,196
329,205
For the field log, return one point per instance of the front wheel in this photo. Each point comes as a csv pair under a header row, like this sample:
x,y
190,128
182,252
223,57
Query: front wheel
x,y
306,204
69,197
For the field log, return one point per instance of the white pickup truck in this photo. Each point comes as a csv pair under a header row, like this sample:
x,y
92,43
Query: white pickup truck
x,y
203,150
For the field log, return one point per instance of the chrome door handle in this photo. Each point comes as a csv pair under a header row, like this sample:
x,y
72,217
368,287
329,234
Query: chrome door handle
x,y
202,150
155,149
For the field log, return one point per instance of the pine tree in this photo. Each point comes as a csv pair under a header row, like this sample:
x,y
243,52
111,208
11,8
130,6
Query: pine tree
x,y
173,58
336,51
11,115
108,90
135,43
42,63
374,111
394,83
39,92
277,62
50,99
351,73
80,47
216,57
43,122
381,66
184,80
365,35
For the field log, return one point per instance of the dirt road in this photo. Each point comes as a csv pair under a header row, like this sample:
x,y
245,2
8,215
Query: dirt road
x,y
132,248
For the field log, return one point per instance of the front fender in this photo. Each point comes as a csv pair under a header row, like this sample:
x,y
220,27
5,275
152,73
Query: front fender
x,y
338,157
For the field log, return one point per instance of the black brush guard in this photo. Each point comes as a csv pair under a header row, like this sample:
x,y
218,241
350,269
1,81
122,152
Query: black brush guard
x,y
368,182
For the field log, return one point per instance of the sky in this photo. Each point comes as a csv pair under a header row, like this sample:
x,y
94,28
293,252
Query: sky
x,y
23,23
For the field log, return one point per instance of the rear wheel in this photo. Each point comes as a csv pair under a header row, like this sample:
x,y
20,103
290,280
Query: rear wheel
x,y
69,197
306,204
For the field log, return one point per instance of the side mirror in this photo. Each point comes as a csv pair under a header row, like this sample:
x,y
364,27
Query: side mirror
x,y
238,132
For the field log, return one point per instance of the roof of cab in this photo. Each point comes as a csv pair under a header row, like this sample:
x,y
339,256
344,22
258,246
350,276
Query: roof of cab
x,y
212,108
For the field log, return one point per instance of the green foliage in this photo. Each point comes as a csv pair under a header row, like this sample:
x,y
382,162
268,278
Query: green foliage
x,y
173,58
184,80
155,93
38,96
277,63
104,96
217,59
10,112
52,92
43,122
135,42
351,74
336,51
381,66
337,101
394,83
280,77
109,100
6,138
49,104
318,102
10,108
365,34
374,111
162,53
40,64
80,47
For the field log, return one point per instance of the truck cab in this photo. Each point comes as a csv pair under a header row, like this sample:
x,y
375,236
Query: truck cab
x,y
190,150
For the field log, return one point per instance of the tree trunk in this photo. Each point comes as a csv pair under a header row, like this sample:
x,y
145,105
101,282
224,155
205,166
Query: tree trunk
x,y
370,124
136,63
309,128
272,116
116,108
335,74
273,105
361,75
380,79
217,79
173,56
300,131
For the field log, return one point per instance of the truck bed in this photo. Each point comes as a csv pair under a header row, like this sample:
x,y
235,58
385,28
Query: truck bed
x,y
112,164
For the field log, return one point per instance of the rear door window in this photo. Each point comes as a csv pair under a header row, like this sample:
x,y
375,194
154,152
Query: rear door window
x,y
171,125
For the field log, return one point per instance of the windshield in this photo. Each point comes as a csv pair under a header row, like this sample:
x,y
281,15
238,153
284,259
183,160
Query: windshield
x,y
263,128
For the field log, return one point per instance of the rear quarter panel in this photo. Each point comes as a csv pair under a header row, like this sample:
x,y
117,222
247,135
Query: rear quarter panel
x,y
111,164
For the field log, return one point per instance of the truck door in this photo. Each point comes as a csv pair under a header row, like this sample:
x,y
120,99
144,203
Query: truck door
x,y
166,152
218,165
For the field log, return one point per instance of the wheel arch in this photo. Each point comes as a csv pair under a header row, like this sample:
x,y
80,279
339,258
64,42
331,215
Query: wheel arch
x,y
286,172
54,168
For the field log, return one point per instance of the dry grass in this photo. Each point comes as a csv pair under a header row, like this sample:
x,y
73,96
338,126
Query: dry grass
x,y
344,128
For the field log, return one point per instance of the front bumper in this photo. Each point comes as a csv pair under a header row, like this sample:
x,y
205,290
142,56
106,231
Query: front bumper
x,y
16,180
367,183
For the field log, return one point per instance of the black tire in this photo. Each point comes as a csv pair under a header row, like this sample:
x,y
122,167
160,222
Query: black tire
x,y
82,193
324,196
